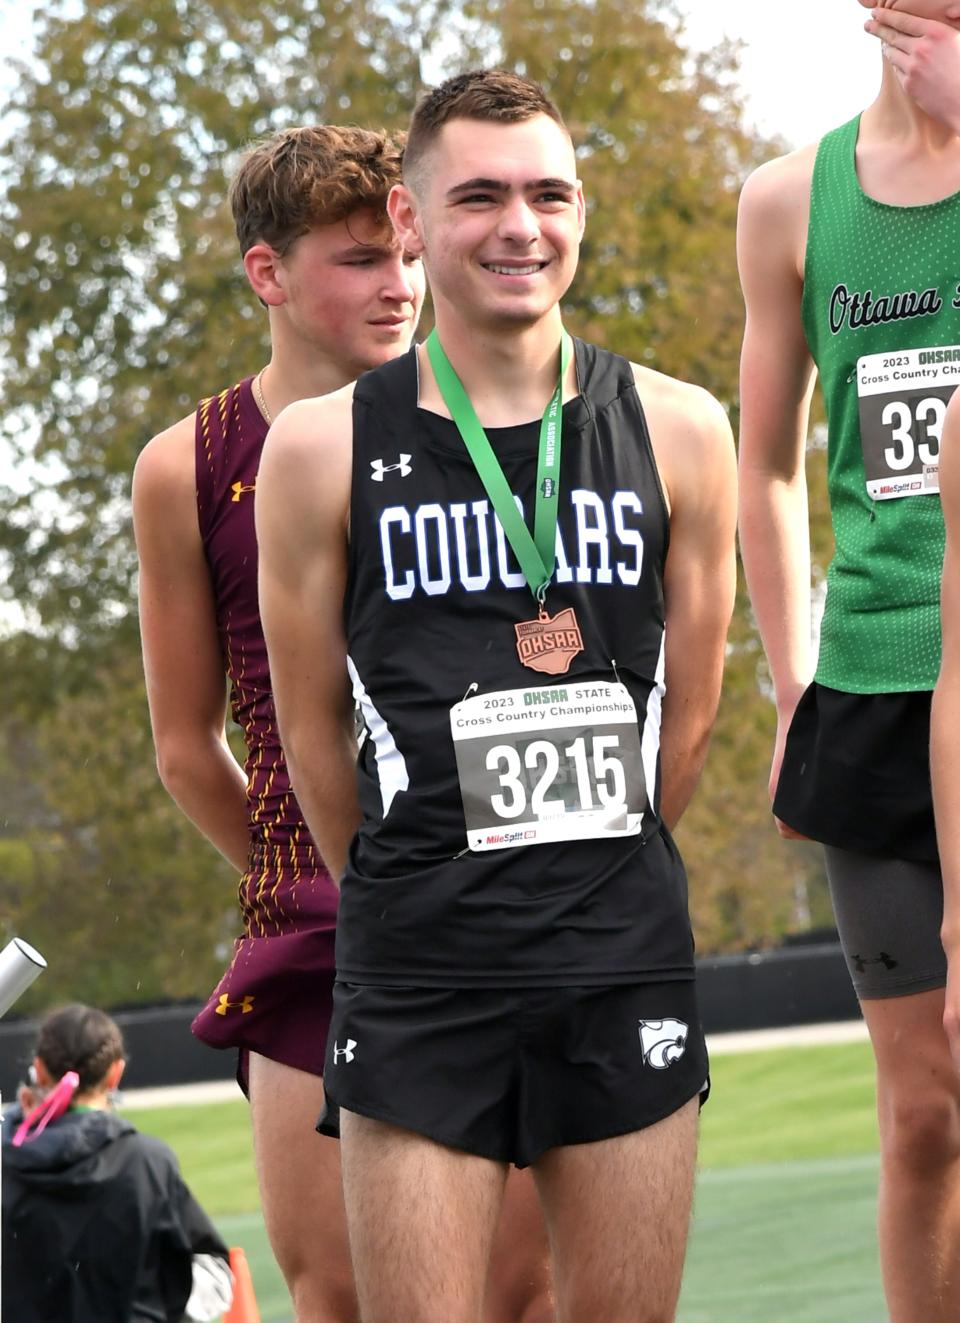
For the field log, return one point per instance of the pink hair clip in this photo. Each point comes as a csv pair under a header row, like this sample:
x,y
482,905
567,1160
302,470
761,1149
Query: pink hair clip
x,y
53,1106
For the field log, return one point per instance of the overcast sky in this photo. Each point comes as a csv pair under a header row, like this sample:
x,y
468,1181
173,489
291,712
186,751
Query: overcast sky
x,y
805,67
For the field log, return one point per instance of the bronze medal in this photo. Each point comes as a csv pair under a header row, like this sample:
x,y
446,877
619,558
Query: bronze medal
x,y
549,643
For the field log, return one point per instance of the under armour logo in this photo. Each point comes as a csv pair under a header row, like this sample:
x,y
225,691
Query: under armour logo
x,y
860,962
663,1042
238,489
379,468
224,1004
345,1053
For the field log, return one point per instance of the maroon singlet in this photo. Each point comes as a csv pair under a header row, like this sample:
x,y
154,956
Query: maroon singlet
x,y
275,997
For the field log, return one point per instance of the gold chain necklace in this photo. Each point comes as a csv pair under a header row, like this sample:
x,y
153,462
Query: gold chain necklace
x,y
258,391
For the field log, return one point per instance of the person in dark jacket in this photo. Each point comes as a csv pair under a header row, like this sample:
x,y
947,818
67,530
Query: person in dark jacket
x,y
98,1224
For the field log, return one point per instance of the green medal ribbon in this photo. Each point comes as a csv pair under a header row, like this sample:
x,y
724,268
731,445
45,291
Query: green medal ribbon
x,y
537,554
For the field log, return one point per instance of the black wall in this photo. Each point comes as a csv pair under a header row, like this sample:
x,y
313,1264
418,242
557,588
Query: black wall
x,y
770,989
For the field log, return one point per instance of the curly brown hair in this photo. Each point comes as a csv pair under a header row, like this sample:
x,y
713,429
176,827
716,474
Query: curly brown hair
x,y
79,1038
493,95
299,178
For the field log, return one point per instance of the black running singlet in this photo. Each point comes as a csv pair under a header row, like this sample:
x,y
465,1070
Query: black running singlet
x,y
467,753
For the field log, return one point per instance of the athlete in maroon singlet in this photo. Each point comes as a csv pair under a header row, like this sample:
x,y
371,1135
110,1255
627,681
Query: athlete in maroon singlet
x,y
309,206
269,999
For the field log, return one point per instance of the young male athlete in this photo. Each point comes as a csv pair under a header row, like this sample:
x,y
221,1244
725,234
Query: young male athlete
x,y
343,296
309,208
849,261
515,964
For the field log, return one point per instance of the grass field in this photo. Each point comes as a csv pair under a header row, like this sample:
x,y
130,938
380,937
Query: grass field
x,y
784,1218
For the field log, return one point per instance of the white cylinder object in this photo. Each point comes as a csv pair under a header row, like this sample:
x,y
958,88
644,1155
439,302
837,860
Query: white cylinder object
x,y
19,966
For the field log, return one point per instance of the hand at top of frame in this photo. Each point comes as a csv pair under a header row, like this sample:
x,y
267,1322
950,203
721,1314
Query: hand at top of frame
x,y
926,56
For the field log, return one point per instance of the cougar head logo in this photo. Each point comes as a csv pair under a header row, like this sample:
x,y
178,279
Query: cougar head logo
x,y
663,1042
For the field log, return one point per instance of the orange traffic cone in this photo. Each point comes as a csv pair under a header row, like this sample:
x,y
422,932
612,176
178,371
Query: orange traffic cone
x,y
244,1308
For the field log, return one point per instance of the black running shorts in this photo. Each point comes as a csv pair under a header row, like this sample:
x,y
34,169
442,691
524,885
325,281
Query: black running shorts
x,y
856,773
509,1073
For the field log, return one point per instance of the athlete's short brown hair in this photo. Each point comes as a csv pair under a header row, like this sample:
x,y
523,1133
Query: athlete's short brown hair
x,y
494,95
316,175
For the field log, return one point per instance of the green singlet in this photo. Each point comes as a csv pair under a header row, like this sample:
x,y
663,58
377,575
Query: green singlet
x,y
881,313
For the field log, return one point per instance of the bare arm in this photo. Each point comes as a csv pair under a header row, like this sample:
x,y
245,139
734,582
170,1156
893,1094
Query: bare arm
x,y
776,383
945,723
926,57
184,671
695,455
302,504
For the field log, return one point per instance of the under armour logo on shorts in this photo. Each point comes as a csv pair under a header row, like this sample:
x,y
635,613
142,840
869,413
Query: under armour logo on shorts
x,y
224,1004
860,962
663,1042
344,1053
379,468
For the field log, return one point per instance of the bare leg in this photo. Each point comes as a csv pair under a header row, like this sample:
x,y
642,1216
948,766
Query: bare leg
x,y
918,1103
299,1176
618,1212
518,1284
421,1219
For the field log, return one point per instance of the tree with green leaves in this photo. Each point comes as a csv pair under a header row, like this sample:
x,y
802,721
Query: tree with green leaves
x,y
124,302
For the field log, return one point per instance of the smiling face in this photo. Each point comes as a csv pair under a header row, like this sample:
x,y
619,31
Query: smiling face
x,y
350,292
941,11
498,216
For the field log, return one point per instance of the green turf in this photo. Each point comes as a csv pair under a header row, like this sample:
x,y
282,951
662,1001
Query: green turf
x,y
790,1104
785,1243
789,1243
784,1218
212,1141
246,1230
